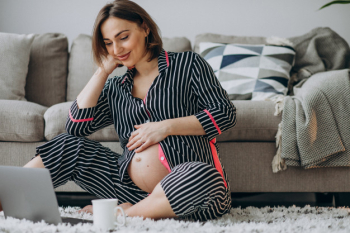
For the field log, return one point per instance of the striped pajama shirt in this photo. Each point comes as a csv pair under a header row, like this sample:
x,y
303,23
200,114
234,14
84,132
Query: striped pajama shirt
x,y
197,186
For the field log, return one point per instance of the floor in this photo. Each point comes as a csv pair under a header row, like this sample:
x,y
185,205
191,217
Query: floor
x,y
238,199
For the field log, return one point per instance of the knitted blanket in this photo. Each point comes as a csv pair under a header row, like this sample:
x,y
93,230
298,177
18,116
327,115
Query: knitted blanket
x,y
315,127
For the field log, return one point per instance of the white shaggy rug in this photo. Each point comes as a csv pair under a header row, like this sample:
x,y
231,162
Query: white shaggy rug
x,y
250,219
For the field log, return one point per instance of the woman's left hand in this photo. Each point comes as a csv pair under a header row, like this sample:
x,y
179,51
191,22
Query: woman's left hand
x,y
147,134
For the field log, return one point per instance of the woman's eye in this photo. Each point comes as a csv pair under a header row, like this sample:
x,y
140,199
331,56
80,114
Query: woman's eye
x,y
121,39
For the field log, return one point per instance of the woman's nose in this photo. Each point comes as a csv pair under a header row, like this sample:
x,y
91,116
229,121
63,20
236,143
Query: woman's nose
x,y
116,49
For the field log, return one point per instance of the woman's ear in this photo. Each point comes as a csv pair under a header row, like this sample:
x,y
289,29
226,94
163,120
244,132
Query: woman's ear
x,y
145,28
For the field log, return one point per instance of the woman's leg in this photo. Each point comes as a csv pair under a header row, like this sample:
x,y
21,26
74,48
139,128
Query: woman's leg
x,y
37,162
155,206
90,165
193,190
196,191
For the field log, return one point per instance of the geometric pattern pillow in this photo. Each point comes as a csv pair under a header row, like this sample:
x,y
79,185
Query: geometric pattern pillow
x,y
250,72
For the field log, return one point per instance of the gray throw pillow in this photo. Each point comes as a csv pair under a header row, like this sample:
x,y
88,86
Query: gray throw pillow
x,y
14,60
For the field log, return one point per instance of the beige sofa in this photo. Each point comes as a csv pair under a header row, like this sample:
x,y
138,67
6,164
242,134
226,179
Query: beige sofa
x,y
56,76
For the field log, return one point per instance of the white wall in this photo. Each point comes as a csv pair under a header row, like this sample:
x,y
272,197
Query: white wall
x,y
182,17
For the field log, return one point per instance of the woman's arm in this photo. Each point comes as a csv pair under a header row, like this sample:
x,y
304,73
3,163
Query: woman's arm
x,y
216,113
184,126
90,111
88,97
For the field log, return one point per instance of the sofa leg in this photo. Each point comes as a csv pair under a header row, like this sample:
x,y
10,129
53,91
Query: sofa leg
x,y
342,199
324,199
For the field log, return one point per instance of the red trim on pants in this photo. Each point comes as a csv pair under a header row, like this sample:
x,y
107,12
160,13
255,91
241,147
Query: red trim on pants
x,y
162,158
216,159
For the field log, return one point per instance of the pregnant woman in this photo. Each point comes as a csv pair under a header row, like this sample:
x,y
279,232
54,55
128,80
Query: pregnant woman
x,y
167,110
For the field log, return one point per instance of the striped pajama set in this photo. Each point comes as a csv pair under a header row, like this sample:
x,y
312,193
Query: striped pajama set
x,y
197,186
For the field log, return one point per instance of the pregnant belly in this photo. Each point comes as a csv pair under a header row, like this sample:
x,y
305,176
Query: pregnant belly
x,y
146,170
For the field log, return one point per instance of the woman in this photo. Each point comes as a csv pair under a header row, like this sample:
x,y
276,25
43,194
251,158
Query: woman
x,y
167,110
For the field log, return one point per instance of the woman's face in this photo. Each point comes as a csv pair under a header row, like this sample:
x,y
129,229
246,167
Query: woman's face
x,y
122,37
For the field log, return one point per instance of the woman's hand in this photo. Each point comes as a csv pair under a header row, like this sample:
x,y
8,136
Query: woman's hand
x,y
147,134
110,63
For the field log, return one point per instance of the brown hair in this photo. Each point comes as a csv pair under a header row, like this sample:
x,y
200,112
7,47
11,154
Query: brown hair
x,y
128,10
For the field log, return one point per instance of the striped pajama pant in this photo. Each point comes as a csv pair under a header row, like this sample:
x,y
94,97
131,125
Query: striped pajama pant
x,y
195,190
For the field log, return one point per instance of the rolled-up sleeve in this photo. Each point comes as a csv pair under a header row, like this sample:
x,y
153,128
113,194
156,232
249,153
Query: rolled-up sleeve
x,y
82,122
216,112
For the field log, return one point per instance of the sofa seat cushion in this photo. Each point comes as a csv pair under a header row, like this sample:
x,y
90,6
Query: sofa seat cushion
x,y
55,120
21,121
256,122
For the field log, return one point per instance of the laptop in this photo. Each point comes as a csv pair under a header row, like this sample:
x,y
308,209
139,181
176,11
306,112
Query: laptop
x,y
28,193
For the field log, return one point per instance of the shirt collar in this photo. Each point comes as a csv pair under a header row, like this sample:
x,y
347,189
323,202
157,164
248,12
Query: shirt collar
x,y
163,63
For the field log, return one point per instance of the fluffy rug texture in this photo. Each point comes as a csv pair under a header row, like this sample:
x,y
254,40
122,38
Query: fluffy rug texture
x,y
250,219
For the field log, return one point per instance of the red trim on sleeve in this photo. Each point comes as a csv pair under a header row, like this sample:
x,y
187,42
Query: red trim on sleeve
x,y
82,120
214,122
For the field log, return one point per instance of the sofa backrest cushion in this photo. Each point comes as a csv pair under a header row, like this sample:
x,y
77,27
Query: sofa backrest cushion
x,y
47,69
218,38
176,44
14,59
82,67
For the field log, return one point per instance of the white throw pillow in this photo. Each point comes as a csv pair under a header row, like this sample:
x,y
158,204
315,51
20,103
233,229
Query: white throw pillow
x,y
14,60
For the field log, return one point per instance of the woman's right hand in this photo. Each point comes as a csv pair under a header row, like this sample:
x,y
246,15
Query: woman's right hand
x,y
110,63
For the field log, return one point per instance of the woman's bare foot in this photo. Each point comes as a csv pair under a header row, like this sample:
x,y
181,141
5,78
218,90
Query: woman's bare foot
x,y
125,206
87,209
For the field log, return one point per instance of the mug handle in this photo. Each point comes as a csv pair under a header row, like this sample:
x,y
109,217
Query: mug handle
x,y
115,214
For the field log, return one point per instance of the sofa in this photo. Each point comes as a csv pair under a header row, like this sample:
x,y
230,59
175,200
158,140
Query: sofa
x,y
57,74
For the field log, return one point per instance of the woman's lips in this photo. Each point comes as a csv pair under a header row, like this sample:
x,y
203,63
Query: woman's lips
x,y
122,58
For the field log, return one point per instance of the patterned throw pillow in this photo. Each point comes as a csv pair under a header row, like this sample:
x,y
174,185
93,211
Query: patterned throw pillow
x,y
250,72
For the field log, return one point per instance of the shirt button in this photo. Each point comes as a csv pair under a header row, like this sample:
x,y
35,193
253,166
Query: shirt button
x,y
147,121
141,105
162,158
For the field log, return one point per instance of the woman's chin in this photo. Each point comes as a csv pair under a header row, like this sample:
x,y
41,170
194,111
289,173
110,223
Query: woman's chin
x,y
129,65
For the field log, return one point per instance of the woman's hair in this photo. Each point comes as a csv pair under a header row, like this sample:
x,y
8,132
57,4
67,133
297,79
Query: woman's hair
x,y
127,10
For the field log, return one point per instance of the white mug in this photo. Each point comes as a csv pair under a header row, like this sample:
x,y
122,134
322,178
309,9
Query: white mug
x,y
105,213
